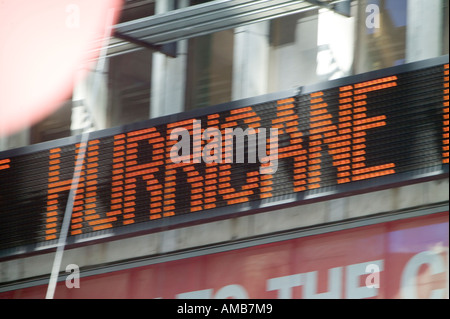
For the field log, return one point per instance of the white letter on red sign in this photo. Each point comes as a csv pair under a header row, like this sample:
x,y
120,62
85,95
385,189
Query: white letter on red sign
x,y
409,277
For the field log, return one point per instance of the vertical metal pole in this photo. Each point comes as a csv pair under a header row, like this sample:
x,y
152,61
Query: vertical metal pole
x,y
67,218
76,175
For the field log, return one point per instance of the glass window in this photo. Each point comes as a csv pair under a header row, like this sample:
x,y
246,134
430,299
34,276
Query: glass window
x,y
382,34
293,51
209,69
406,31
129,87
310,47
136,9
54,126
445,49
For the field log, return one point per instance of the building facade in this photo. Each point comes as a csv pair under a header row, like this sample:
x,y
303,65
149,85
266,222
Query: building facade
x,y
322,248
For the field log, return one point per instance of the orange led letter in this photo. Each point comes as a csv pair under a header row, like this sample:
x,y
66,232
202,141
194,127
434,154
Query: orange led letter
x,y
85,195
361,123
287,123
346,139
253,179
5,163
196,181
323,130
126,170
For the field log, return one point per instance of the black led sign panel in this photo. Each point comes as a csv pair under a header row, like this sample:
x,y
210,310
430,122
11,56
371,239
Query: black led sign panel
x,y
369,131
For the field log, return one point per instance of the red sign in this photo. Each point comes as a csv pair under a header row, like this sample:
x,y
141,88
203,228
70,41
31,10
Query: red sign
x,y
400,259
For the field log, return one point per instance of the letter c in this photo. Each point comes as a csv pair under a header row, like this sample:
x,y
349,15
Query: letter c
x,y
409,276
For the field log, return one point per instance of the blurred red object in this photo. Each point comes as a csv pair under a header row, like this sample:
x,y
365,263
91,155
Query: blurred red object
x,y
43,44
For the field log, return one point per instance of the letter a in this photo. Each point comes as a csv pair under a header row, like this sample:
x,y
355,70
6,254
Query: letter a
x,y
373,280
373,18
73,280
184,145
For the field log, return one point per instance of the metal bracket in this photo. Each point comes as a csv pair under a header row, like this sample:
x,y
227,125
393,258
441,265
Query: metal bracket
x,y
169,49
339,6
161,32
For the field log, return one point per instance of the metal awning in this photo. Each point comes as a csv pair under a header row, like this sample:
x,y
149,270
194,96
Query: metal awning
x,y
158,31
